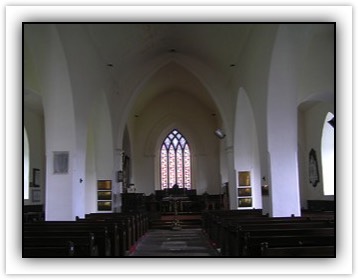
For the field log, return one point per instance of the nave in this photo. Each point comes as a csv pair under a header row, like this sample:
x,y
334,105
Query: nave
x,y
188,242
217,233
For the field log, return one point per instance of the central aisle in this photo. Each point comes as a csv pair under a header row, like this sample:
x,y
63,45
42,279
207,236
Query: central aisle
x,y
174,243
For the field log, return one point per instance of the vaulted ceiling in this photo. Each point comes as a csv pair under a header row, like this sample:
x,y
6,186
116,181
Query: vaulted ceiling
x,y
124,46
127,45
218,45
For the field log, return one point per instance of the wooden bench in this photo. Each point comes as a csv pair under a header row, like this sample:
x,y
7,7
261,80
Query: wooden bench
x,y
136,224
83,246
230,228
297,251
213,220
234,232
118,232
139,220
224,226
126,227
68,250
227,229
251,246
71,229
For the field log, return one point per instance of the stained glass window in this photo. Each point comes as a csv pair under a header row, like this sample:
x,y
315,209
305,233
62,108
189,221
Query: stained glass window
x,y
175,162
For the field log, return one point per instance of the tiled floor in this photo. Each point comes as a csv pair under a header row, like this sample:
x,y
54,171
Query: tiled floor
x,y
174,243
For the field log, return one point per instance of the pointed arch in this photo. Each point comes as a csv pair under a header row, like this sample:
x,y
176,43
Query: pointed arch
x,y
327,154
175,161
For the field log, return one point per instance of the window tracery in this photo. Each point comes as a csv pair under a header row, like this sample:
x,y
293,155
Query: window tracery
x,y
175,162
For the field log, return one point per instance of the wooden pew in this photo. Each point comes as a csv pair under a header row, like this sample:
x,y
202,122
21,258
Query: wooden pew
x,y
135,223
117,232
128,221
127,226
297,251
318,215
227,229
139,220
68,250
251,247
71,229
235,232
57,246
214,220
229,224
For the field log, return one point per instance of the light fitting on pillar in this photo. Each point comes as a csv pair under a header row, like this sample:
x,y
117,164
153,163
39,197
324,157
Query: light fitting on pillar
x,y
219,133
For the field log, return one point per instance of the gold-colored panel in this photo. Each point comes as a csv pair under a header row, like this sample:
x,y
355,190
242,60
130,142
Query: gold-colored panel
x,y
244,178
245,202
104,195
244,192
104,205
104,185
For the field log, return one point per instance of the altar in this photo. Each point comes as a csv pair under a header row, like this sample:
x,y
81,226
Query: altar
x,y
177,199
175,204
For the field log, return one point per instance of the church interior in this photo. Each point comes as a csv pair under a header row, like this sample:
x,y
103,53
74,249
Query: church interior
x,y
179,139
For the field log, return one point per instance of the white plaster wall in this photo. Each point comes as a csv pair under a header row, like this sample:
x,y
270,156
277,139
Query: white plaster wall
x,y
316,98
254,66
34,124
253,75
302,151
104,151
246,146
282,123
91,173
90,83
313,120
72,81
51,68
317,68
223,163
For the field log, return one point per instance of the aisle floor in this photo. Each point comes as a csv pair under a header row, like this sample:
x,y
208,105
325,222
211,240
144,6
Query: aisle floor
x,y
174,243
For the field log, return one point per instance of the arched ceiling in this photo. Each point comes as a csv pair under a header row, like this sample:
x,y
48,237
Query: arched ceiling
x,y
217,44
128,45
173,78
